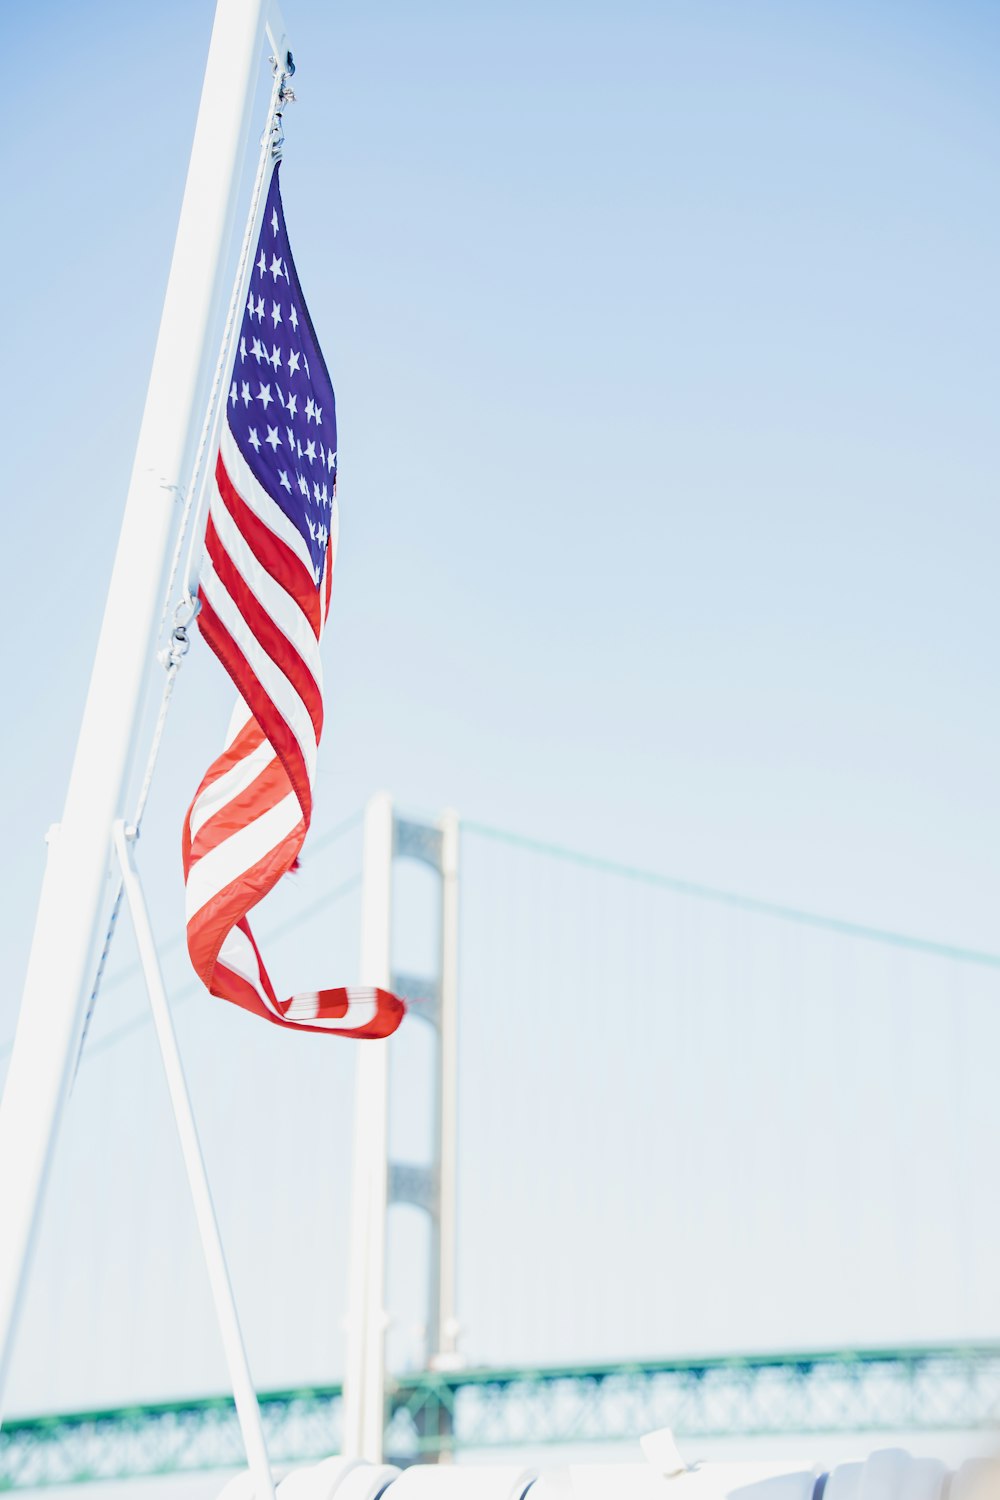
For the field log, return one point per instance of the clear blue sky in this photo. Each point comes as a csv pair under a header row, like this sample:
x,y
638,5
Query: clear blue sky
x,y
665,340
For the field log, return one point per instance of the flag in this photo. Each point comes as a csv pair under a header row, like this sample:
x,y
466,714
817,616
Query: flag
x,y
264,592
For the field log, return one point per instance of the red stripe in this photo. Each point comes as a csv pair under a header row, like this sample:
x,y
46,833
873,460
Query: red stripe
x,y
244,927
209,927
228,985
282,738
389,1011
273,640
264,792
270,551
247,740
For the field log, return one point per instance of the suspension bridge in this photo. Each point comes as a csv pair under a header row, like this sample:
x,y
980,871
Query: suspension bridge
x,y
687,1119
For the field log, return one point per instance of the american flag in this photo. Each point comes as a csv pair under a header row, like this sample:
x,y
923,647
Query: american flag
x,y
264,591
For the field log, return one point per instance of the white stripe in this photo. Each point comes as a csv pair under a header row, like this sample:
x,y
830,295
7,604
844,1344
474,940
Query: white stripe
x,y
238,853
303,1008
270,676
241,715
362,1009
237,953
264,508
234,781
276,601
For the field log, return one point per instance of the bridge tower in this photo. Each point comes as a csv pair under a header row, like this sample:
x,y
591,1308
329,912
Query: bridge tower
x,y
378,1181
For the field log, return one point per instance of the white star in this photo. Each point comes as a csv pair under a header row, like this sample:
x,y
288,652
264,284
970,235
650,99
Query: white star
x,y
312,528
257,350
331,458
273,439
243,349
310,409
319,415
310,450
305,361
260,307
293,359
262,263
323,536
316,495
293,402
232,394
276,270
254,439
275,356
303,486
294,318
274,221
323,496
283,481
264,395
291,438
245,396
275,314
250,306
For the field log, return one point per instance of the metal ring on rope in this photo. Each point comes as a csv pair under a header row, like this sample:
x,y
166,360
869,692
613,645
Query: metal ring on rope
x,y
186,610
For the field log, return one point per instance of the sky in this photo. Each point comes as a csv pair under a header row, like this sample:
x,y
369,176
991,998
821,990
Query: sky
x,y
665,347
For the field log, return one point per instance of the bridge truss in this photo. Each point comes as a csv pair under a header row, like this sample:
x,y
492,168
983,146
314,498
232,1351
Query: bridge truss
x,y
770,1395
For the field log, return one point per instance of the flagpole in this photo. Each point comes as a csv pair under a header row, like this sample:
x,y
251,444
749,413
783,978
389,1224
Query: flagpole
x,y
76,884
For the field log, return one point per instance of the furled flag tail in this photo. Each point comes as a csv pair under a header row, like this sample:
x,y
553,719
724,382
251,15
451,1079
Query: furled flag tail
x,y
270,546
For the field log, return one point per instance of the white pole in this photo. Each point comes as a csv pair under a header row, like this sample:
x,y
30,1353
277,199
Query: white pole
x,y
75,885
244,1393
364,1375
446,1330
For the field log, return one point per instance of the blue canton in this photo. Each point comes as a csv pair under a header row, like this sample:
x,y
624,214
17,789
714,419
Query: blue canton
x,y
281,407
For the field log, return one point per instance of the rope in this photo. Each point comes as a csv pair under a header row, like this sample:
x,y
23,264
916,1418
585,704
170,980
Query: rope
x,y
750,904
173,653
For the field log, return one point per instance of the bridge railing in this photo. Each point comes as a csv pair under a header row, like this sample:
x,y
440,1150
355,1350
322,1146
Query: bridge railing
x,y
834,1391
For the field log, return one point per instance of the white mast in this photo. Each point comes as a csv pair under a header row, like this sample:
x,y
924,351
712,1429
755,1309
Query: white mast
x,y
76,883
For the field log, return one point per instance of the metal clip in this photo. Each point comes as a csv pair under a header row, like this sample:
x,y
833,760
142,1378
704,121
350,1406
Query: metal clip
x,y
285,96
180,645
